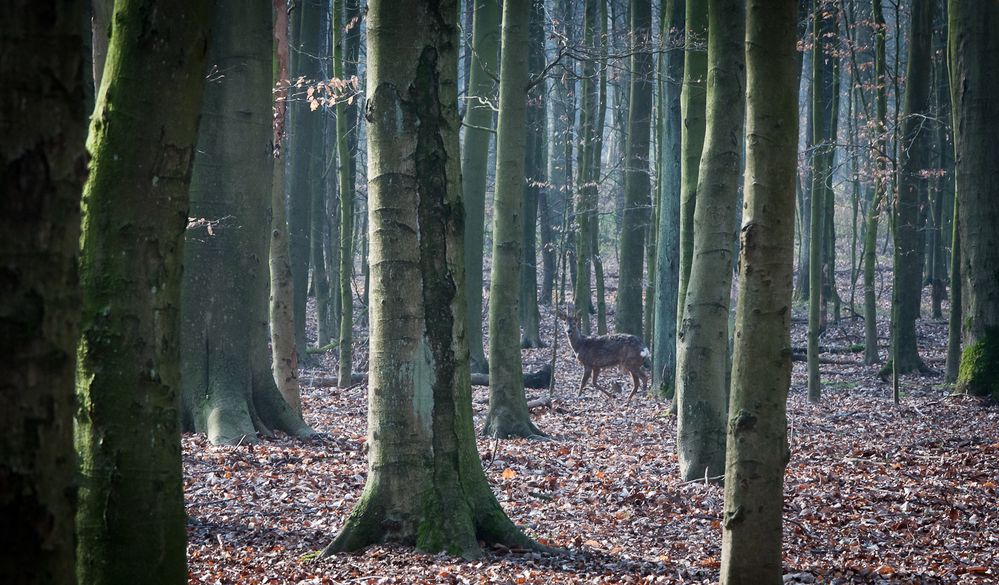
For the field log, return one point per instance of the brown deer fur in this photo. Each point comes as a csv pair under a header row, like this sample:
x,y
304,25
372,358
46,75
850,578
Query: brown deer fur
x,y
597,352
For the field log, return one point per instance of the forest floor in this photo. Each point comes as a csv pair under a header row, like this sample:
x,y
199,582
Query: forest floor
x,y
874,492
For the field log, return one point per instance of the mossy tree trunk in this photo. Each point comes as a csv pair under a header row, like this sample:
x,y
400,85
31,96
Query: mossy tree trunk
x,y
692,108
667,273
635,220
508,415
425,485
535,180
973,52
702,348
228,386
910,201
131,524
42,170
475,154
761,370
284,358
304,159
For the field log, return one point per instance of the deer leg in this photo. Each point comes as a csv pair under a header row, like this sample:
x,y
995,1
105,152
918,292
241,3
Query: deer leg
x,y
634,382
582,383
596,372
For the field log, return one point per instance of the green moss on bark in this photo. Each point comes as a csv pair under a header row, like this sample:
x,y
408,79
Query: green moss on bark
x,y
979,371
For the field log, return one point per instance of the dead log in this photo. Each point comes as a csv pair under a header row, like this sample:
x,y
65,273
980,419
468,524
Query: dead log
x,y
538,379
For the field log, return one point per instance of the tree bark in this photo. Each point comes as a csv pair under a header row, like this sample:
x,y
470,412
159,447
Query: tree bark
x,y
635,220
667,271
508,415
761,370
425,485
879,146
585,212
42,170
475,158
130,521
974,58
702,348
229,390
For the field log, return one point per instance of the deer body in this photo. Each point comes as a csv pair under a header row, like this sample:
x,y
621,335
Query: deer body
x,y
597,352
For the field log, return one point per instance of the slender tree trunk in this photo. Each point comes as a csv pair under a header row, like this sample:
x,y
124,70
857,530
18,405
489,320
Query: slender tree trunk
x,y
305,156
596,175
284,358
229,390
635,220
954,320
475,159
909,206
534,171
761,370
974,59
702,348
880,146
586,189
42,170
131,525
668,240
692,107
508,414
425,483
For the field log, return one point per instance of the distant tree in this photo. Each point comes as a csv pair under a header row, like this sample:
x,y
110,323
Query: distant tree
x,y
880,146
757,450
478,124
228,385
974,59
702,347
585,205
508,415
425,486
42,170
131,525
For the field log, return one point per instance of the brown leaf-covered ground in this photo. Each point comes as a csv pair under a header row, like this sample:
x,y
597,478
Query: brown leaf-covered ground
x,y
874,493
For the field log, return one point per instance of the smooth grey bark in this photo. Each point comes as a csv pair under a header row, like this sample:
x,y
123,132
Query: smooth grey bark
x,y
534,180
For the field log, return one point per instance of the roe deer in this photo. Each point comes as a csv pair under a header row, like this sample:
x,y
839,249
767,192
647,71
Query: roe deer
x,y
596,352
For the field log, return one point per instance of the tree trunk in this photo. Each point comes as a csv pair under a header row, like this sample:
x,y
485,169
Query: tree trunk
x,y
42,170
508,414
425,483
974,58
228,386
304,152
668,241
131,524
910,204
586,190
879,146
761,366
474,162
534,171
702,349
823,27
954,319
635,220
284,358
692,107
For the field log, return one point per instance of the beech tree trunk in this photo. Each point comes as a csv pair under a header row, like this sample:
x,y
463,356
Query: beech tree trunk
x,y
425,485
228,385
131,524
761,366
508,415
42,170
880,145
702,348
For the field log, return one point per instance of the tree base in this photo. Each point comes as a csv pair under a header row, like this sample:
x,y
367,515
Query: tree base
x,y
978,374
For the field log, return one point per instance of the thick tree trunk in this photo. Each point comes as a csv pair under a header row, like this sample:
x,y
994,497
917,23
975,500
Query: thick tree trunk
x,y
425,483
284,358
692,107
668,240
130,520
761,369
228,386
974,58
42,170
475,159
508,414
702,348
635,220
910,204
